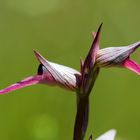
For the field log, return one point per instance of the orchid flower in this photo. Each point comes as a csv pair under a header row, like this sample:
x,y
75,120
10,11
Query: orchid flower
x,y
48,73
82,82
119,57
109,135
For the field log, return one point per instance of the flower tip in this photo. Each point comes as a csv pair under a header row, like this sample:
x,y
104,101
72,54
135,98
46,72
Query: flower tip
x,y
100,26
40,58
36,53
94,33
97,35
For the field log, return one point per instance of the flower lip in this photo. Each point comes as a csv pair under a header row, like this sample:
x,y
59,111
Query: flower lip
x,y
131,65
26,82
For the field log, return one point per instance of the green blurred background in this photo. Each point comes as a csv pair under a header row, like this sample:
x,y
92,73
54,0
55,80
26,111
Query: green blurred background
x,y
61,31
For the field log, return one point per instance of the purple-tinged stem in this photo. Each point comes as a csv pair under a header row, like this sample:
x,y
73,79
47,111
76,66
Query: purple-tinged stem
x,y
81,121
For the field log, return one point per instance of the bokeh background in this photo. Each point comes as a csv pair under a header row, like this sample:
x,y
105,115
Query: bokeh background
x,y
61,31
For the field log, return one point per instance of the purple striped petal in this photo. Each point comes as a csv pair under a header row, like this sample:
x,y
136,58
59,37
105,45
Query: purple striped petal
x,y
118,56
65,77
